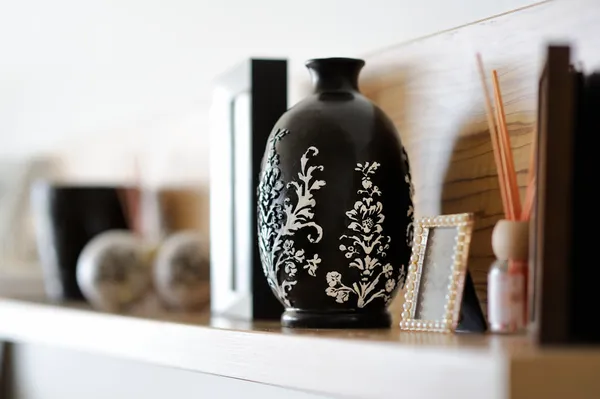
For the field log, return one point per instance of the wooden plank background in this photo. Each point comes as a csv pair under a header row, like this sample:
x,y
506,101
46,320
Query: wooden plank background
x,y
430,89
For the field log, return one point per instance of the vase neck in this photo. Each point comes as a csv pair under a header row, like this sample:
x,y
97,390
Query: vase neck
x,y
335,74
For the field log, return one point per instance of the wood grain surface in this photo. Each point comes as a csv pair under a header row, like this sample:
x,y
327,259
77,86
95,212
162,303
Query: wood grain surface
x,y
431,91
184,208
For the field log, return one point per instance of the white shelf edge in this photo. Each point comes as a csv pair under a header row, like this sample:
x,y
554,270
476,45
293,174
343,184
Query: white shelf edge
x,y
339,367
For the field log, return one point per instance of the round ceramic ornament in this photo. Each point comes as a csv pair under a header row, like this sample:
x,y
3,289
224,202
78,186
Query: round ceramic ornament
x,y
182,271
113,270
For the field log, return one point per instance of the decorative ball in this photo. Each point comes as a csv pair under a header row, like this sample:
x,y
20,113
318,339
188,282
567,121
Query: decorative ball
x,y
510,240
182,271
113,271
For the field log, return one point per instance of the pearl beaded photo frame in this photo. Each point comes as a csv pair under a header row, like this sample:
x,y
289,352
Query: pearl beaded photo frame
x,y
436,274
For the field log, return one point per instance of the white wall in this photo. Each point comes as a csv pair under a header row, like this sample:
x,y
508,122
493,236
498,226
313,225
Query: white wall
x,y
99,80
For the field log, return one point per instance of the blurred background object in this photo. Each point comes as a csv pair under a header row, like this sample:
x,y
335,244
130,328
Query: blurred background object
x,y
182,271
247,101
19,262
67,217
49,215
114,270
183,208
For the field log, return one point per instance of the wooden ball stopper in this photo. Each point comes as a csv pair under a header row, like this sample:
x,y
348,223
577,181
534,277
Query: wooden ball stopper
x,y
510,240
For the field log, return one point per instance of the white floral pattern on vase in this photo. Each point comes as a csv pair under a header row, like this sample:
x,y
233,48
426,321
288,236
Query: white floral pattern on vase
x,y
366,247
278,223
410,227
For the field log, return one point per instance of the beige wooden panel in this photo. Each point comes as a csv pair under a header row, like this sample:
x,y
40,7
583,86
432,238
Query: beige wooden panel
x,y
430,89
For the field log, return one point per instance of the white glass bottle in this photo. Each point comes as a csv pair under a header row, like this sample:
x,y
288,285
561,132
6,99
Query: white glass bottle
x,y
507,299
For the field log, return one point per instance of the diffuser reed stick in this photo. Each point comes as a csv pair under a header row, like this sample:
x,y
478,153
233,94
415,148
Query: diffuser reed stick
x,y
506,152
494,137
531,179
130,201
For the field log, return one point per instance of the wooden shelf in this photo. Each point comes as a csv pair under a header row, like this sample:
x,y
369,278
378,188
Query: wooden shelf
x,y
349,363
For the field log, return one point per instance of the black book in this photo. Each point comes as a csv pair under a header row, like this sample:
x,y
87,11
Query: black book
x,y
564,216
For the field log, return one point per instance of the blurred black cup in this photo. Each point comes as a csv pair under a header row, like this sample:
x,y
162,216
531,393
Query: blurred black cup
x,y
66,218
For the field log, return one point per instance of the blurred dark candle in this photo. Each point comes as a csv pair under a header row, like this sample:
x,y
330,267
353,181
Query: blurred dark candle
x,y
66,217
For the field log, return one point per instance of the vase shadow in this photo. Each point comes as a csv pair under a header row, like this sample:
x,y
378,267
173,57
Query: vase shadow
x,y
471,185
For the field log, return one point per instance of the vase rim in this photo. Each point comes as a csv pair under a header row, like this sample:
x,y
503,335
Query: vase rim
x,y
340,60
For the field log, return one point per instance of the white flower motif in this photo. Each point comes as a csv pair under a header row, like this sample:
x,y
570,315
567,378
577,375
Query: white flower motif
x,y
401,276
333,278
288,247
389,285
410,185
366,246
366,218
279,220
388,270
342,296
290,269
299,255
312,265
411,190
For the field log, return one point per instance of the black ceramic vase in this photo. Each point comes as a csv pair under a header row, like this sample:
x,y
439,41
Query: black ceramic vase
x,y
335,215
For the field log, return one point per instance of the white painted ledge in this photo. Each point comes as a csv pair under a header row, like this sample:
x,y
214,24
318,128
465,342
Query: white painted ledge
x,y
356,364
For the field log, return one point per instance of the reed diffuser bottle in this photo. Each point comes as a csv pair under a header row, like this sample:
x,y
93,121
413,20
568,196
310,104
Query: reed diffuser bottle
x,y
507,278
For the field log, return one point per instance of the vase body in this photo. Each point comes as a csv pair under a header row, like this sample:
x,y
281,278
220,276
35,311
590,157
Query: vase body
x,y
335,213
